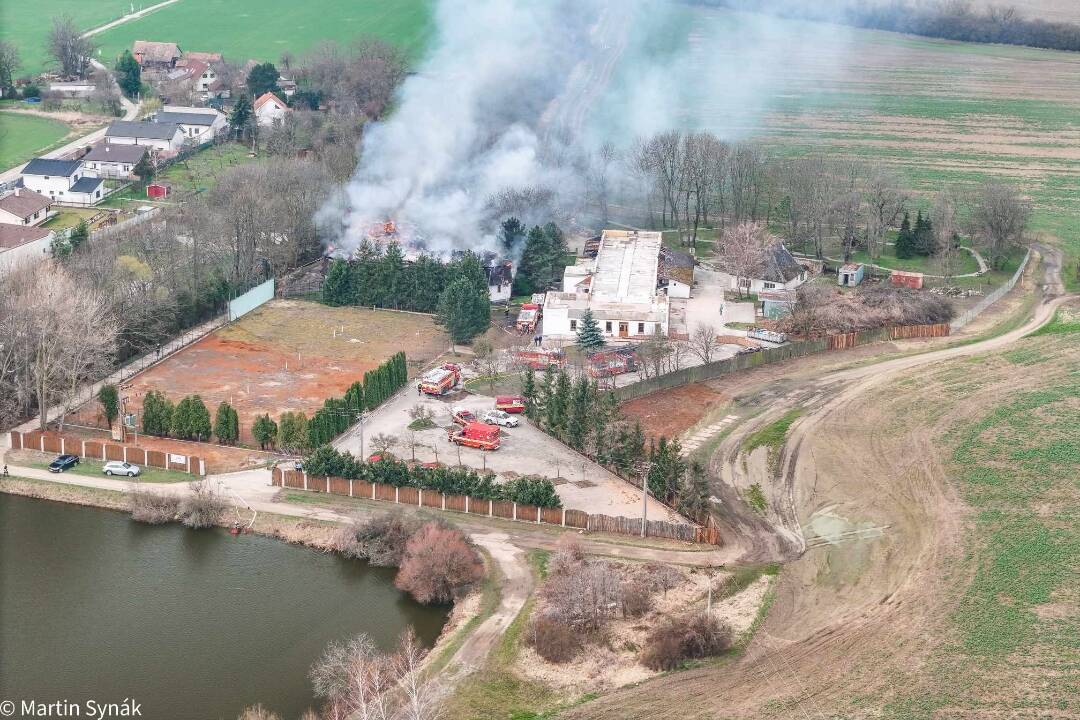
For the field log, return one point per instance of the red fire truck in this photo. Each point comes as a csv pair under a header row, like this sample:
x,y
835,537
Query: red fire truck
x,y
539,358
510,403
609,363
476,435
528,318
440,380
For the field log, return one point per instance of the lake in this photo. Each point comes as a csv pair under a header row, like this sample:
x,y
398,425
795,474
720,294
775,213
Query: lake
x,y
190,623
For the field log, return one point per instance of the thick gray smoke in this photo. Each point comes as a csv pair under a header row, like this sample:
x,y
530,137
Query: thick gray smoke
x,y
515,94
478,118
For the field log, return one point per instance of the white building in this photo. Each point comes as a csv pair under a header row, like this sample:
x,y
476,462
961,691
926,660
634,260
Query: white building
x,y
21,242
620,288
199,125
780,271
74,89
162,137
270,110
24,207
63,181
112,160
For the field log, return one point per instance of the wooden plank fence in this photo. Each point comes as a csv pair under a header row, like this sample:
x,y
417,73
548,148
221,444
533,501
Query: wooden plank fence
x,y
559,517
52,442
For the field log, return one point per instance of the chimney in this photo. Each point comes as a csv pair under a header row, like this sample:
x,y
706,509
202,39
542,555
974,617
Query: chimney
x,y
106,147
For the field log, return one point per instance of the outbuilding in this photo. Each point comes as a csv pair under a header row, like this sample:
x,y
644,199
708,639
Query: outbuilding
x,y
912,280
850,274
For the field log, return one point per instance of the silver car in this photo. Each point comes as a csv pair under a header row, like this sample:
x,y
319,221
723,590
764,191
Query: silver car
x,y
121,468
500,417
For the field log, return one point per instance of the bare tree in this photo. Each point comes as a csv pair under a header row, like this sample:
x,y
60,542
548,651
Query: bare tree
x,y
847,206
382,443
703,343
69,48
999,220
885,204
743,252
946,226
489,362
9,64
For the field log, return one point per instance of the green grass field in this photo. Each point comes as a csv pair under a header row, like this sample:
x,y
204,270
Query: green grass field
x,y
24,136
27,25
92,468
263,29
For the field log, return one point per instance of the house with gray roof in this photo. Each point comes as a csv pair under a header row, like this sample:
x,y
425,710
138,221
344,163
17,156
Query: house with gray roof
x,y
160,137
778,270
199,125
64,182
112,160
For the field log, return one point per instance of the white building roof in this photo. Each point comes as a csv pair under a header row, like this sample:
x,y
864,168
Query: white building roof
x,y
626,267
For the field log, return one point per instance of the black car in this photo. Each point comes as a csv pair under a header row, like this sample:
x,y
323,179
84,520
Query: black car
x,y
63,462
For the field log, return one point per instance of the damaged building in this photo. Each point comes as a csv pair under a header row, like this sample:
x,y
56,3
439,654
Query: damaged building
x,y
624,287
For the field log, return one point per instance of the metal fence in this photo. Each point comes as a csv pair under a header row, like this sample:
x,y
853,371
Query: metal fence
x,y
992,297
250,300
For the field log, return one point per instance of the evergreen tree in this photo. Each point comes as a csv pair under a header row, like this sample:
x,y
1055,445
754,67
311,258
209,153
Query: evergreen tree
x,y
533,274
605,414
292,432
240,119
191,419
905,240
144,168
109,398
924,235
529,391
226,424
428,281
464,311
589,337
79,235
557,405
694,499
354,398
578,418
128,74
265,431
157,414
390,277
513,232
337,287
364,269
263,79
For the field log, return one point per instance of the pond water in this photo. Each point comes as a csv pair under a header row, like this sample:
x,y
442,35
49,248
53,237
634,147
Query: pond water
x,y
190,623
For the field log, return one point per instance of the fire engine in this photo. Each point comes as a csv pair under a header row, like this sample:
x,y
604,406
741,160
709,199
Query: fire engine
x,y
440,380
476,435
609,363
463,417
510,403
528,318
539,358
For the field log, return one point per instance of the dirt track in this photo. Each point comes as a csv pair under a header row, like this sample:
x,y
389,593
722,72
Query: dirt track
x,y
870,500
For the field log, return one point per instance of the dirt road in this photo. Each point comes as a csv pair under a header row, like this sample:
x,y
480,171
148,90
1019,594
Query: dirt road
x,y
869,500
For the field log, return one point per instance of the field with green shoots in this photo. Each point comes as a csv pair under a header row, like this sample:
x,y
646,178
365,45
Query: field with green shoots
x,y
23,137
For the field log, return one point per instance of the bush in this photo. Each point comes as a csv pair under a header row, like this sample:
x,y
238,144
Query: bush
x,y
438,565
380,540
635,598
679,639
153,508
203,507
553,640
257,712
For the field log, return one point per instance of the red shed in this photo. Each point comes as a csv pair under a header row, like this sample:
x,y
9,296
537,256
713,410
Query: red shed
x,y
156,191
912,280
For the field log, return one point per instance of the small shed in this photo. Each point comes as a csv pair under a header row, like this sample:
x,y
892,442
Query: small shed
x,y
776,303
900,278
157,191
850,274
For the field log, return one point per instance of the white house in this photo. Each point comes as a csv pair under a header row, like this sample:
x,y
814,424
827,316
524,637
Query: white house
x,y
63,181
24,207
113,160
780,271
199,125
74,89
162,137
676,271
621,291
21,242
270,109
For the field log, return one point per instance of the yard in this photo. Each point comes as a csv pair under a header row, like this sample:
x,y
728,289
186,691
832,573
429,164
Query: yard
x,y
93,468
27,25
23,137
68,217
263,29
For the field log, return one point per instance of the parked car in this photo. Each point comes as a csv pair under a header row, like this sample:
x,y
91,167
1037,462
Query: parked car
x,y
499,417
115,467
463,417
63,462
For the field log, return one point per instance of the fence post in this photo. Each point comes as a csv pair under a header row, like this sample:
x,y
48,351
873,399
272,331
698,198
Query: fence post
x,y
491,508
187,464
443,500
350,487
538,512
466,503
564,517
305,479
202,467
515,511
82,449
42,438
397,494
420,497
103,453
63,446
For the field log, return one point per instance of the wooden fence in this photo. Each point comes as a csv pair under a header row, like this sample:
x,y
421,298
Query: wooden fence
x,y
52,442
505,509
710,371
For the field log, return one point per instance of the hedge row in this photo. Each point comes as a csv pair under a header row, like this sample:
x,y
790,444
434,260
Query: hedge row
x,y
451,481
337,414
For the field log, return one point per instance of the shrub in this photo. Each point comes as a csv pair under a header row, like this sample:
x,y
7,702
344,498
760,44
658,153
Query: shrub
x,y
582,594
554,640
380,540
676,640
438,565
202,507
635,598
257,712
663,577
153,508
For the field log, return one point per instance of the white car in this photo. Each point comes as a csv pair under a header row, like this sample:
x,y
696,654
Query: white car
x,y
121,468
500,417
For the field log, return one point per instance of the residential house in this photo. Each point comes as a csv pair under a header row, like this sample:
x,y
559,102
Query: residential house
x,y
63,181
287,86
161,137
24,207
22,242
206,57
156,55
676,272
779,271
622,291
500,275
113,160
270,110
198,125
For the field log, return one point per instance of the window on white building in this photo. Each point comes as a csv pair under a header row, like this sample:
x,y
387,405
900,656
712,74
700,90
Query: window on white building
x,y
573,324
607,326
641,328
769,285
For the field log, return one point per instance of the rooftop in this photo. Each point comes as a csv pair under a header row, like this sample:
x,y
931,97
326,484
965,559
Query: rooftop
x,y
780,265
269,97
12,236
156,51
24,203
150,130
50,166
626,267
186,118
116,152
86,184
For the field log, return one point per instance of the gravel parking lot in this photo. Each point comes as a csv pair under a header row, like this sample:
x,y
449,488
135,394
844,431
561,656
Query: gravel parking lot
x,y
525,450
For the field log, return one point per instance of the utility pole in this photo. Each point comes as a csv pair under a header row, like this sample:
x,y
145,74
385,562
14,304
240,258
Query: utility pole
x,y
645,498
